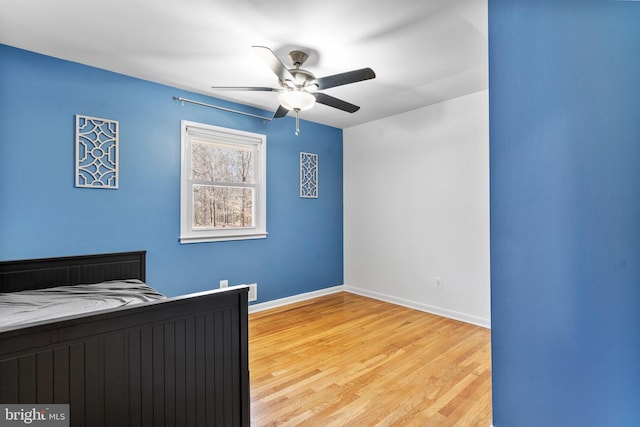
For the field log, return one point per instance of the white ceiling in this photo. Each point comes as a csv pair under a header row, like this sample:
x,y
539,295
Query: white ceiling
x,y
423,51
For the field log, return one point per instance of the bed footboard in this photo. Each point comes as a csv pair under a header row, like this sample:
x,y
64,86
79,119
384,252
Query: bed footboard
x,y
180,361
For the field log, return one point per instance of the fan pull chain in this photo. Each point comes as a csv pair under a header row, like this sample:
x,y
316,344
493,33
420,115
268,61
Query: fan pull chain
x,y
297,132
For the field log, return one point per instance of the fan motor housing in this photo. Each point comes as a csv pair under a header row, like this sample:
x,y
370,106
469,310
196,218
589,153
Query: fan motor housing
x,y
302,76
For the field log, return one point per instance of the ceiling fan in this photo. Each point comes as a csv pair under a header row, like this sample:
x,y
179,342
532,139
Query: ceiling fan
x,y
299,89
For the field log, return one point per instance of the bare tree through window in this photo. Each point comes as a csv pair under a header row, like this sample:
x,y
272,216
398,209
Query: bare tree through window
x,y
223,175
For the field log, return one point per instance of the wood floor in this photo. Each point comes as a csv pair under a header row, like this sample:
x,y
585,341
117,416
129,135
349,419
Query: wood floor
x,y
344,359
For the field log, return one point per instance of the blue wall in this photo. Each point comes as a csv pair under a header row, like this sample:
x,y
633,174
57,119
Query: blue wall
x,y
565,212
42,214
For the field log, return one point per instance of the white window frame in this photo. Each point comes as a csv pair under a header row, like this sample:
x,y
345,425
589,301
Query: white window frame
x,y
229,136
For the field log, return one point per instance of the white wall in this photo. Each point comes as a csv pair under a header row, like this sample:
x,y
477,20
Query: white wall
x,y
416,206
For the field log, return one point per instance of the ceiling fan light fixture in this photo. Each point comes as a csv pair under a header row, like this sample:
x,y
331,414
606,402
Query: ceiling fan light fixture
x,y
296,100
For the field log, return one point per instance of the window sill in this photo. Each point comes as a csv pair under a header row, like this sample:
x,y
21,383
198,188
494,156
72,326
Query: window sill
x,y
221,238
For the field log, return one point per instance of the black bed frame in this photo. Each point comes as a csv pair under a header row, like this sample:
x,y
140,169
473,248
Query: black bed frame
x,y
182,361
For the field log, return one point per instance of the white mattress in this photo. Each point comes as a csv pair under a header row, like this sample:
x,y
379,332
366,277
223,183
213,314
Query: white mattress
x,y
23,307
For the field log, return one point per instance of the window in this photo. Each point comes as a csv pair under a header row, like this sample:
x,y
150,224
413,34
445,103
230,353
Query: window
x,y
223,189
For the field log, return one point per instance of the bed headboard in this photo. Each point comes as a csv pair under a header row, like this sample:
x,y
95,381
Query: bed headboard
x,y
63,271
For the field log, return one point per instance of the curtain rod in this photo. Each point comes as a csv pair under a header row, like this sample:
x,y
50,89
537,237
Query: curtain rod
x,y
221,108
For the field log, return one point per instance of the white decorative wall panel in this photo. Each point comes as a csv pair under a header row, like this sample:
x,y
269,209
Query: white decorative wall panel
x,y
96,152
308,175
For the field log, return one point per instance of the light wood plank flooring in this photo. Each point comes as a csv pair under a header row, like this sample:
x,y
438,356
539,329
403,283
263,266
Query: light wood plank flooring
x,y
345,359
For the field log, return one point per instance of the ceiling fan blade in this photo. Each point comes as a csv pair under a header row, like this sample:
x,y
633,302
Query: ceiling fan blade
x,y
331,101
274,63
243,88
345,78
280,112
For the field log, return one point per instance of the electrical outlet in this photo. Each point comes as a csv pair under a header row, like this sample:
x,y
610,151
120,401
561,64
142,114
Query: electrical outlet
x,y
224,283
437,282
253,292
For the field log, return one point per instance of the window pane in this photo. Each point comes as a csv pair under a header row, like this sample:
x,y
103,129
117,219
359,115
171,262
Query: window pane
x,y
221,162
222,207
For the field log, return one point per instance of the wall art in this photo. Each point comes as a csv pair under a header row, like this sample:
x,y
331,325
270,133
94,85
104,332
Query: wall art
x,y
96,152
308,175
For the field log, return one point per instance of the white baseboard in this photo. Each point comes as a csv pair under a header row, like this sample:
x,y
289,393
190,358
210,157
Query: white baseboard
x,y
292,299
439,311
463,317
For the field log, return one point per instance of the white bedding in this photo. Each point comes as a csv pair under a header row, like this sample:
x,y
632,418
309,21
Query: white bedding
x,y
17,308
